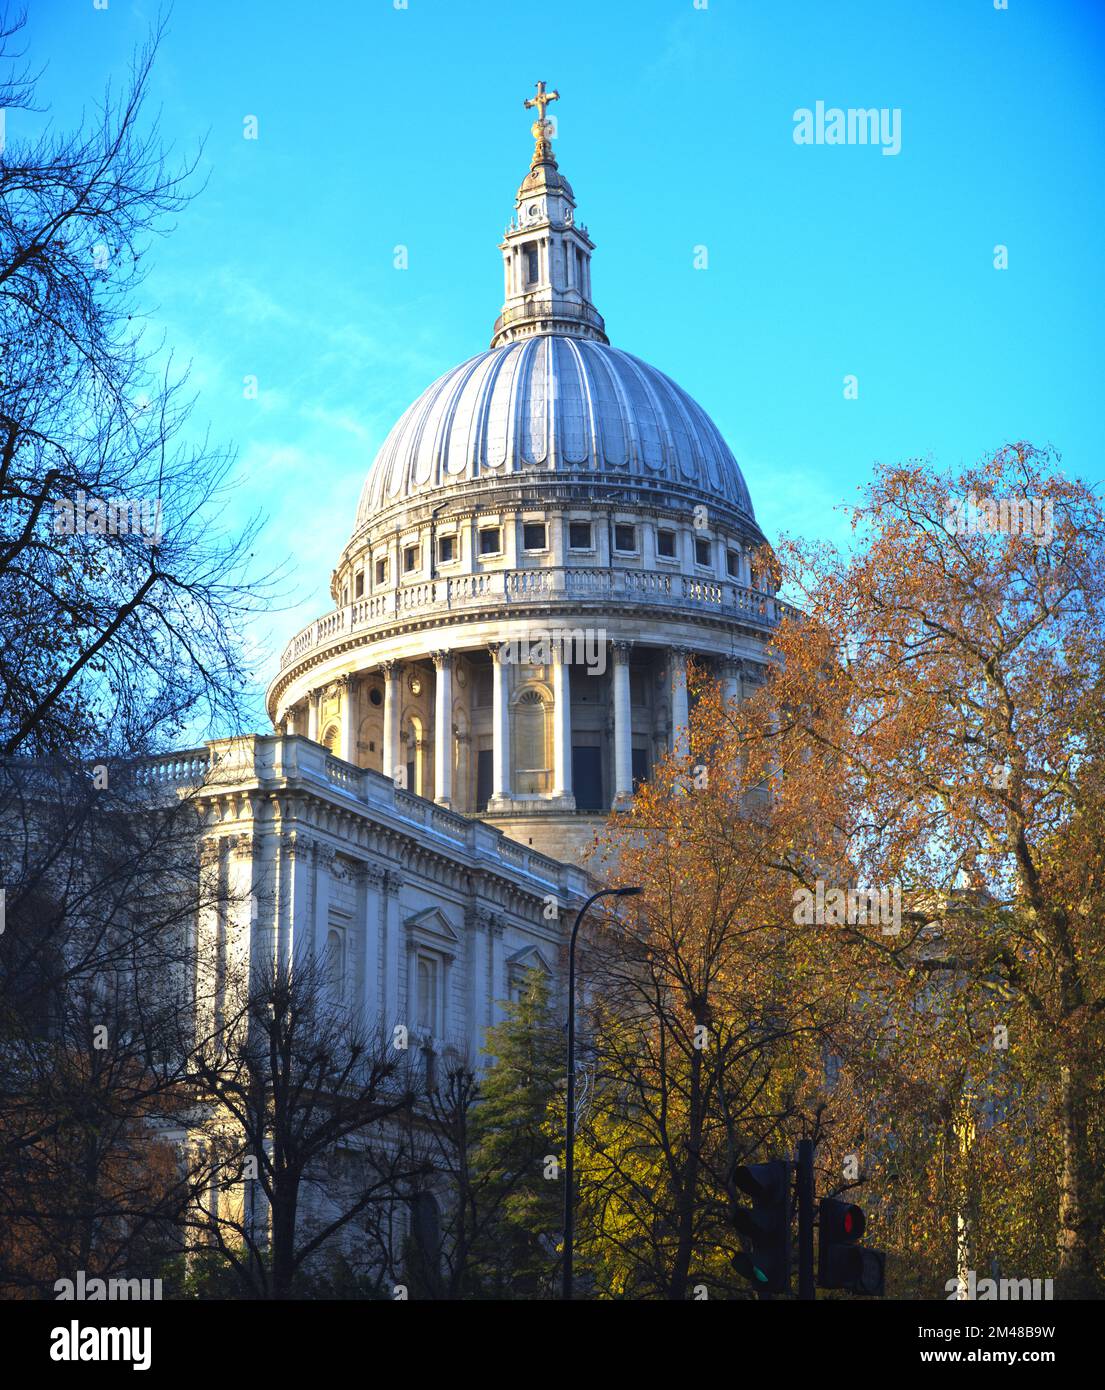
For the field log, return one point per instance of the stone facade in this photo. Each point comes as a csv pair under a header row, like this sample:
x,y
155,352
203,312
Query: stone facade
x,y
424,918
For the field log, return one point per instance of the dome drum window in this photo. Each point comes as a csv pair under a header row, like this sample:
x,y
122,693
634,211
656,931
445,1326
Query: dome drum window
x,y
625,539
580,536
534,535
665,544
446,550
702,553
491,541
412,558
381,572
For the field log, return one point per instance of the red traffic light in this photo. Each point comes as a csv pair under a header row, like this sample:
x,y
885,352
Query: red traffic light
x,y
852,1223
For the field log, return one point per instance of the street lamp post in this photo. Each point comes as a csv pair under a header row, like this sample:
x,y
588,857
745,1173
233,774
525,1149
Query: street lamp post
x,y
569,1154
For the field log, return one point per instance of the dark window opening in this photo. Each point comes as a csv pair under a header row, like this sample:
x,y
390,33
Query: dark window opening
x,y
702,552
665,544
491,540
587,778
533,535
358,586
447,549
579,535
484,769
410,558
732,563
625,538
381,571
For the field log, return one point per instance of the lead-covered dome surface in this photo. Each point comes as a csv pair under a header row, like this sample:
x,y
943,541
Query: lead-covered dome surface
x,y
569,405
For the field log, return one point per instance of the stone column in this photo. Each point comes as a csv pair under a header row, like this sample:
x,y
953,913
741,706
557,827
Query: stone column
x,y
730,681
373,879
392,945
623,725
349,718
478,922
312,715
443,729
324,858
498,970
680,710
562,725
393,692
500,726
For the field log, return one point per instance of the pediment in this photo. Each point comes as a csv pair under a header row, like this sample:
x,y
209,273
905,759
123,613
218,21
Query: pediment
x,y
528,958
431,927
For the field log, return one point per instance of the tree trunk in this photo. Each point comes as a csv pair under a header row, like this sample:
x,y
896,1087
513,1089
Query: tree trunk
x,y
283,1242
1078,1227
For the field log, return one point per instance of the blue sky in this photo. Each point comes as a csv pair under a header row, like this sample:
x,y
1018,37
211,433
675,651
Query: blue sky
x,y
381,126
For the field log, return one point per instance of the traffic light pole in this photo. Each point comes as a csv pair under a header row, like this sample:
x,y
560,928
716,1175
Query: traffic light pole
x,y
804,1167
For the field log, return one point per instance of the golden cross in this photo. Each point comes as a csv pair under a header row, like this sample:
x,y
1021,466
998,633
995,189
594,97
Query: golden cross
x,y
541,100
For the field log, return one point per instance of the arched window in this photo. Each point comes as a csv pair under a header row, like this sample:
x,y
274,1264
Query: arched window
x,y
531,751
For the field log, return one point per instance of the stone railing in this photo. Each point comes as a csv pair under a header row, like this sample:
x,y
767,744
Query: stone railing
x,y
185,769
562,584
263,760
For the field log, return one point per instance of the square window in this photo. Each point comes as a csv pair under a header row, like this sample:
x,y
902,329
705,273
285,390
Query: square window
x,y
447,549
533,535
733,564
665,544
491,540
625,539
410,558
579,535
381,571
701,552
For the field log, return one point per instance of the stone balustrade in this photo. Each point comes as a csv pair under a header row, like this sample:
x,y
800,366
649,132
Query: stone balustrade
x,y
571,584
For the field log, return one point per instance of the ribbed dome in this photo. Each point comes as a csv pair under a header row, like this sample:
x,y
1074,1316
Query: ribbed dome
x,y
566,404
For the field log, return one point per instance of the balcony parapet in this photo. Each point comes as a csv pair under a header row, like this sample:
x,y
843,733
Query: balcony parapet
x,y
466,593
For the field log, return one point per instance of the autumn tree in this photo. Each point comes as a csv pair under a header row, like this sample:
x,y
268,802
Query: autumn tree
x,y
708,1014
941,699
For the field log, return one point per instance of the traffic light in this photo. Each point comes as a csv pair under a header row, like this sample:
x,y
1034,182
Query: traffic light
x,y
841,1263
766,1224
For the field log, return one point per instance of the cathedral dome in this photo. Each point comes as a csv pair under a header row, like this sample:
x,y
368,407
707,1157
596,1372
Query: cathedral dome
x,y
558,405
